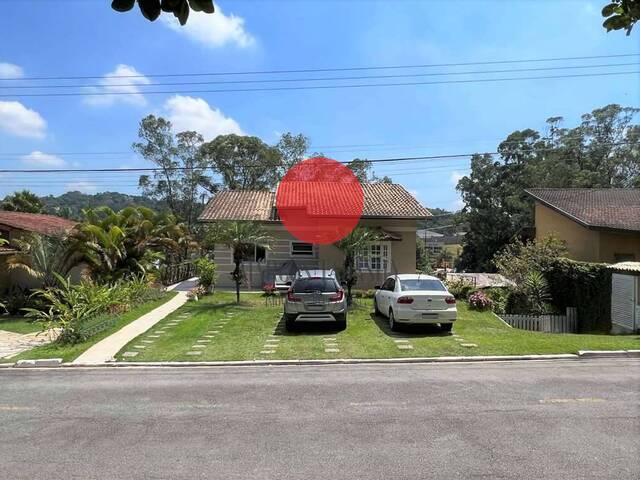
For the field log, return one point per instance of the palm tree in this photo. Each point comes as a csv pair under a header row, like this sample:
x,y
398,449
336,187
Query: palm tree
x,y
240,237
43,257
23,201
119,244
350,245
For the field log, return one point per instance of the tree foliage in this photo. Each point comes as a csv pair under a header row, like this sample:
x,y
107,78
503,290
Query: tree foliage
x,y
244,162
602,152
22,201
363,170
181,176
151,9
350,245
621,15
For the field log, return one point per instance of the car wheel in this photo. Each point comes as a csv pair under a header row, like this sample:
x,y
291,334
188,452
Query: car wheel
x,y
376,310
290,322
393,326
446,327
341,321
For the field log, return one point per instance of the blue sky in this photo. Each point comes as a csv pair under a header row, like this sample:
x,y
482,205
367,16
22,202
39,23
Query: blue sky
x,y
70,38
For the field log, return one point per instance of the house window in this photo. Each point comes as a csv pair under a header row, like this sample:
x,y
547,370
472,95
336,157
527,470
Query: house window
x,y
256,253
301,249
374,257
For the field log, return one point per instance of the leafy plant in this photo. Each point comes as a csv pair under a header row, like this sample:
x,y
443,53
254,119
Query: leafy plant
x,y
479,301
536,289
499,297
151,9
460,288
206,271
350,245
22,201
269,290
621,14
518,259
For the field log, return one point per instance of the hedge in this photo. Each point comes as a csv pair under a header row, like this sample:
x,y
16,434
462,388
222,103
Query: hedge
x,y
586,286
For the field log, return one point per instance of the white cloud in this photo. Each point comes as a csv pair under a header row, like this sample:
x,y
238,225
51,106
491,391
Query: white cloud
x,y
455,177
189,113
21,121
132,94
457,205
9,70
213,30
40,159
81,186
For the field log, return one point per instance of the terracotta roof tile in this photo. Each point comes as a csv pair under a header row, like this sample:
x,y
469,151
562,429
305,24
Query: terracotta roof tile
x,y
611,208
384,200
36,222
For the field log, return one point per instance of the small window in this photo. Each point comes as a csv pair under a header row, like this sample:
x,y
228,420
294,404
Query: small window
x,y
255,253
392,285
422,284
310,285
301,249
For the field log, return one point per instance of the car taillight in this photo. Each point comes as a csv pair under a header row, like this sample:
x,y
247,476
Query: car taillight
x,y
337,297
291,297
405,300
450,300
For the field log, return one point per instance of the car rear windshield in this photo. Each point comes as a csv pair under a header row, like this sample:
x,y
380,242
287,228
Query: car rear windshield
x,y
421,284
309,285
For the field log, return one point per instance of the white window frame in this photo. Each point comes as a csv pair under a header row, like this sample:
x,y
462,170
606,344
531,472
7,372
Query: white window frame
x,y
364,260
301,255
252,259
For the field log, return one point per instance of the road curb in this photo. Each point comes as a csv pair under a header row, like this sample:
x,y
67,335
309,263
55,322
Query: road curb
x,y
582,354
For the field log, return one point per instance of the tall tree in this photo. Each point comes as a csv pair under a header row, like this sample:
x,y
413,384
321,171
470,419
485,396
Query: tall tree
x,y
363,170
22,201
602,152
182,169
241,238
621,15
293,149
244,162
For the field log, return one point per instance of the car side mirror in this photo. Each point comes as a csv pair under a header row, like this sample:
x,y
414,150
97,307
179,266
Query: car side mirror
x,y
377,287
343,283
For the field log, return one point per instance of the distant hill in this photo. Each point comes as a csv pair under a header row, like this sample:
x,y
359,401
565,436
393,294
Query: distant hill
x,y
70,204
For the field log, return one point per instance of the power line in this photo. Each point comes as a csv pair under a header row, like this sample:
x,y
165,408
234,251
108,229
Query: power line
x,y
340,69
318,79
319,87
155,169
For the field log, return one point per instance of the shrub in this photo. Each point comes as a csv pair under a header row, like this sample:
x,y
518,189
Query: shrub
x,y
269,290
536,290
206,271
586,286
517,259
196,293
479,301
460,288
363,293
499,296
70,307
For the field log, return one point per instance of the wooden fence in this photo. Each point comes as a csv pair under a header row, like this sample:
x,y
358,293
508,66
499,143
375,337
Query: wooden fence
x,y
177,272
545,323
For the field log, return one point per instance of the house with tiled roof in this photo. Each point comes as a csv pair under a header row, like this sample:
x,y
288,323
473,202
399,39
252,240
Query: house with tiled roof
x,y
387,208
596,224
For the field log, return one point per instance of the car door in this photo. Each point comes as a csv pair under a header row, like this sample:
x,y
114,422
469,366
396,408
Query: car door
x,y
390,294
381,297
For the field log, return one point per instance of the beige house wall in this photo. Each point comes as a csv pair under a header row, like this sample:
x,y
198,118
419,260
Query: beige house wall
x,y
403,255
583,243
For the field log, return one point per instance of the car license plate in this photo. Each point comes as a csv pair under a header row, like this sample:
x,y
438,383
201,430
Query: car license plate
x,y
429,315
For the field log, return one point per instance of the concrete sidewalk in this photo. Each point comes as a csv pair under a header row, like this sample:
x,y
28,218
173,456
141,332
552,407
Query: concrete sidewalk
x,y
105,350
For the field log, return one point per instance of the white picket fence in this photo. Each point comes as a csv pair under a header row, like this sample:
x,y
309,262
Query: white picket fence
x,y
545,323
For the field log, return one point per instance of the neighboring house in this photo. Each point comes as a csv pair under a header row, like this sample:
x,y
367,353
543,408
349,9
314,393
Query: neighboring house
x,y
625,297
14,225
388,208
597,225
436,243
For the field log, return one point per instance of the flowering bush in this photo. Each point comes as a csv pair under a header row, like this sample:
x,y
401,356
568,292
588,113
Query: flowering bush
x,y
269,290
479,301
197,292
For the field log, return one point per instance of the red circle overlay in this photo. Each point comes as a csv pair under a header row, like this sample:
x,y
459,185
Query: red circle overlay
x,y
319,201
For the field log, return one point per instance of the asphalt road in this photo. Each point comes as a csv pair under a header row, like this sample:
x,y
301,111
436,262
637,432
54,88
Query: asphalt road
x,y
527,420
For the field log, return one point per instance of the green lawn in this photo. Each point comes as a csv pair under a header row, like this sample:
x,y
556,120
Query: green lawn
x,y
71,352
244,329
19,325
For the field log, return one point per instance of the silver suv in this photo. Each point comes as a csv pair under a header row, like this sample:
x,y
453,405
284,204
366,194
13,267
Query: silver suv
x,y
315,299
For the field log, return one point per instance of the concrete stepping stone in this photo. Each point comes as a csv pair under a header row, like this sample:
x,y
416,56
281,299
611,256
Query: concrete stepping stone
x,y
213,331
199,346
401,341
153,336
404,346
203,341
330,345
130,354
208,336
468,345
139,346
194,353
331,350
146,341
265,352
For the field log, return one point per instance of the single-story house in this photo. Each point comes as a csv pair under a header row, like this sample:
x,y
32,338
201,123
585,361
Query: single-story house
x,y
388,208
597,224
14,225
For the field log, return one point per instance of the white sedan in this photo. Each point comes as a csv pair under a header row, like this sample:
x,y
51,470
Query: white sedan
x,y
415,299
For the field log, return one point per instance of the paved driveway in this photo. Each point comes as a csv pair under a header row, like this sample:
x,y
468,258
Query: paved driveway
x,y
535,420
